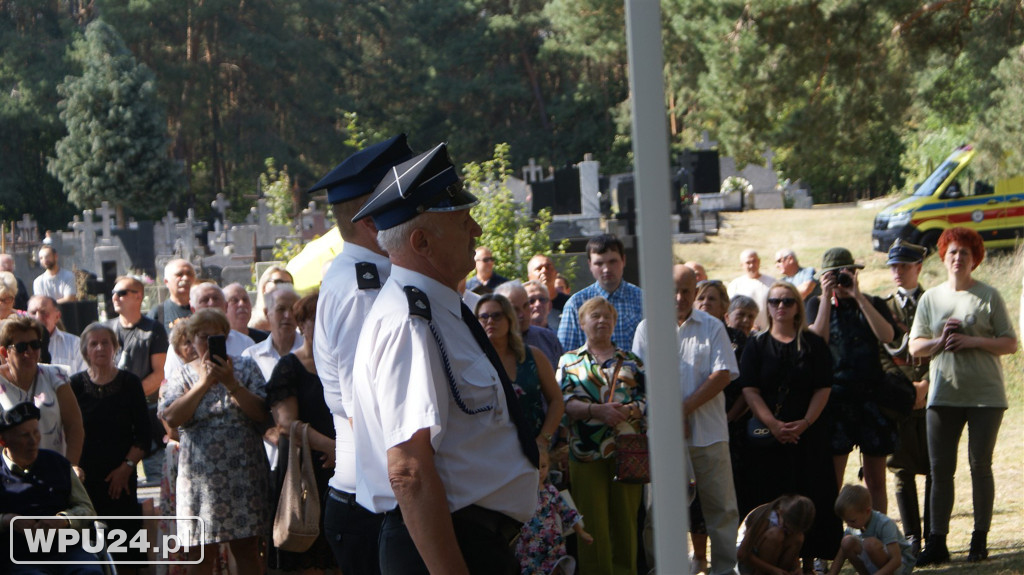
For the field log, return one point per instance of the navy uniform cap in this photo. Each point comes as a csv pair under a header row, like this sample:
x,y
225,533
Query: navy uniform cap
x,y
17,415
359,173
426,183
903,252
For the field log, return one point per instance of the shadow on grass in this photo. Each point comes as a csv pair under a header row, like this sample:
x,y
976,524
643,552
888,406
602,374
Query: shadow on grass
x,y
1007,561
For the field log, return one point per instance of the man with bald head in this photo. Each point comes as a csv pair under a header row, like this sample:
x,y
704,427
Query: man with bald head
x,y
707,364
63,346
754,285
542,269
541,338
201,296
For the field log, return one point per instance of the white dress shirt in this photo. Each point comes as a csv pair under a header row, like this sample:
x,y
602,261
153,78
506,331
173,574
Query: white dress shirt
x,y
340,312
401,387
65,349
704,348
265,354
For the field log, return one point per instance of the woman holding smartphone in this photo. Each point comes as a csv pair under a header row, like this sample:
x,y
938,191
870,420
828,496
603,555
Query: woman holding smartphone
x,y
218,403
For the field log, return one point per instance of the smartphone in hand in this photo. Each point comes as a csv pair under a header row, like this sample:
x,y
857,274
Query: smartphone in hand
x,y
218,346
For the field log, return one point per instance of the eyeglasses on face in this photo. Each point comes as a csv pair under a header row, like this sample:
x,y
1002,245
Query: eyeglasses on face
x,y
23,346
278,281
123,292
486,260
485,317
539,299
782,301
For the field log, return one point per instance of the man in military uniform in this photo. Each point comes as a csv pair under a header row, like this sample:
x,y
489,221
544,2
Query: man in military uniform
x,y
347,292
441,441
911,456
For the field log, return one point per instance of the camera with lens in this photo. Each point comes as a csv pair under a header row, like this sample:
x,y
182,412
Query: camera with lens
x,y
843,280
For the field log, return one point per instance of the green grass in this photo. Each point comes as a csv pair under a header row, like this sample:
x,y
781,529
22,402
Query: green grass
x,y
810,233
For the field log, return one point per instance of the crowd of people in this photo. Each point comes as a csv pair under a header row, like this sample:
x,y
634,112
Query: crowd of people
x,y
477,426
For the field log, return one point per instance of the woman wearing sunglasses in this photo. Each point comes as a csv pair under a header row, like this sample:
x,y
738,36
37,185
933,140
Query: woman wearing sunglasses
x,y
528,368
23,379
786,373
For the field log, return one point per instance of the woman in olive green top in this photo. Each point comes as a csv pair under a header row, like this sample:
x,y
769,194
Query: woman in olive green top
x,y
963,325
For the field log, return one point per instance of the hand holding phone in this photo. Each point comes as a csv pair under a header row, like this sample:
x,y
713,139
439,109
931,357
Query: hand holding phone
x,y
217,346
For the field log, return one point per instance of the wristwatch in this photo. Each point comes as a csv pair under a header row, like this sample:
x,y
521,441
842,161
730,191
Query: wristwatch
x,y
129,462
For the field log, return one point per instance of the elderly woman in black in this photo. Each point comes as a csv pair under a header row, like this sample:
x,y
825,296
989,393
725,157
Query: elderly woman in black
x,y
117,430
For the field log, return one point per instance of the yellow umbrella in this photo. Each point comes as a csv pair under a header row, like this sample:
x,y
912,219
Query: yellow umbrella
x,y
308,266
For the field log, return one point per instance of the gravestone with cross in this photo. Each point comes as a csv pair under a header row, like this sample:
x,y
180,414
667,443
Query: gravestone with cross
x,y
106,214
706,143
313,222
532,172
28,230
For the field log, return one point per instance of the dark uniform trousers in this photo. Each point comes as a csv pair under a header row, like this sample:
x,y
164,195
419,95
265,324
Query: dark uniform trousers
x,y
486,539
352,532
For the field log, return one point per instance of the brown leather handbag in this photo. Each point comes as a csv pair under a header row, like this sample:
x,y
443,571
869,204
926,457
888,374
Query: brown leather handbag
x,y
297,521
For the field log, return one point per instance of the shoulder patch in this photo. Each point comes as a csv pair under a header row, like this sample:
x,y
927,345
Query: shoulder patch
x,y
367,276
418,302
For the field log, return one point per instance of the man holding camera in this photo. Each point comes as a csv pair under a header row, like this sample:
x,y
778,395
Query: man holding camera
x,y
854,324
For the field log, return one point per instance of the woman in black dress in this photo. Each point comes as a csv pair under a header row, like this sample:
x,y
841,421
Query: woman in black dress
x,y
786,372
295,393
117,432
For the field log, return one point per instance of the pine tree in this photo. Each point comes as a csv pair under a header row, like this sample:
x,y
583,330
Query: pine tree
x,y
116,147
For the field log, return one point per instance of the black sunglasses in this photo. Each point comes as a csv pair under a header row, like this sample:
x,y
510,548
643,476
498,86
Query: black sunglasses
x,y
122,292
486,316
22,346
783,301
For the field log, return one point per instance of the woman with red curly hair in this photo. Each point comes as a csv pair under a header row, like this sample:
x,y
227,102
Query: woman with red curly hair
x,y
963,326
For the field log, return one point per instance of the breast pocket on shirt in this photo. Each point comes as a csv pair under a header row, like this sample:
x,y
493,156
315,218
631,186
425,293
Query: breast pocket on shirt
x,y
476,388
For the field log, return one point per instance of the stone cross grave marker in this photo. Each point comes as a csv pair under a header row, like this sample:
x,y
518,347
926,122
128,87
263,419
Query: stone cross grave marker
x,y
769,155
27,229
105,212
532,172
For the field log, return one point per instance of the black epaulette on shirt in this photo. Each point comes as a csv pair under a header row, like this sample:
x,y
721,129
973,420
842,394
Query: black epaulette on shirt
x,y
367,276
418,302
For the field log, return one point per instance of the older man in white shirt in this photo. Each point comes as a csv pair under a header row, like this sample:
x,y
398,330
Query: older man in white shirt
x,y
64,347
283,339
707,364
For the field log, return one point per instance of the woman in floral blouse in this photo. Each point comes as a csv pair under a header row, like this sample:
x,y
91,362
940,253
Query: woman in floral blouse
x,y
604,392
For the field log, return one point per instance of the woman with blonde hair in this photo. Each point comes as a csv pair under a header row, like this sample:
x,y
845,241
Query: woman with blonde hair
x,y
605,388
8,291
530,371
786,372
274,275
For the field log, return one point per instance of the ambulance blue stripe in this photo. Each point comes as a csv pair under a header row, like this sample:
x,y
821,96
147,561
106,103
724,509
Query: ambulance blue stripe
x,y
966,202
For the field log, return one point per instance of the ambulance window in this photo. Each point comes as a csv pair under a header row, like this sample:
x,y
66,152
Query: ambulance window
x,y
983,189
952,191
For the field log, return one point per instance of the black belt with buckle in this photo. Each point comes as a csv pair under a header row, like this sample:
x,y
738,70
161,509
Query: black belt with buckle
x,y
342,496
502,525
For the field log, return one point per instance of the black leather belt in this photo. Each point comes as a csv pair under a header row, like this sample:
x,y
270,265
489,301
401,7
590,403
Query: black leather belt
x,y
502,525
342,496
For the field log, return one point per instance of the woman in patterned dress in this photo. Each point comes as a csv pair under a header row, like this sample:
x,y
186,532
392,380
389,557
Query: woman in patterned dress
x,y
605,390
218,405
530,371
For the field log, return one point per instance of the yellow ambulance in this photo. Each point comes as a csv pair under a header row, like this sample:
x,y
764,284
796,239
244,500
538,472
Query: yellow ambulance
x,y
955,196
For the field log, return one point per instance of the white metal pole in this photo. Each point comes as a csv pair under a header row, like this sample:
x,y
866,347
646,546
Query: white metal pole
x,y
664,397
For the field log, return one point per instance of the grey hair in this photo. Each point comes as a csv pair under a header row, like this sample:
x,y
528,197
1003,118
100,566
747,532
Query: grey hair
x,y
83,342
274,291
743,302
747,253
175,263
393,240
534,284
193,294
8,284
510,287
784,253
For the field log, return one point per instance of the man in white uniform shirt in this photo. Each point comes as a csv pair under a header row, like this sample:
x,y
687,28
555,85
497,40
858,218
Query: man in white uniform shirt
x,y
349,288
441,441
707,363
754,285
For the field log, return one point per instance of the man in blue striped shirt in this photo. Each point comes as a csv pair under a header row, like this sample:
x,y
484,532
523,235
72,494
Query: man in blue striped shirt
x,y
607,258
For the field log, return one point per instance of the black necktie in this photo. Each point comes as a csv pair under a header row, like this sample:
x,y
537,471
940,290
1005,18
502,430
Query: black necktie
x,y
527,439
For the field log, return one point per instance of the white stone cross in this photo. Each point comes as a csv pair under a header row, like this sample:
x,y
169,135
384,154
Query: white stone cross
x,y
705,142
768,155
169,221
221,204
28,228
105,212
532,172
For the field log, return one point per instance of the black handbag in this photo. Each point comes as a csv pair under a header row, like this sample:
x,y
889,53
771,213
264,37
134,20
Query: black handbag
x,y
895,393
758,434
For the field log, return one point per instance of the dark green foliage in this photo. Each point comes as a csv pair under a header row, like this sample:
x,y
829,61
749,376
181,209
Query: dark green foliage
x,y
116,146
